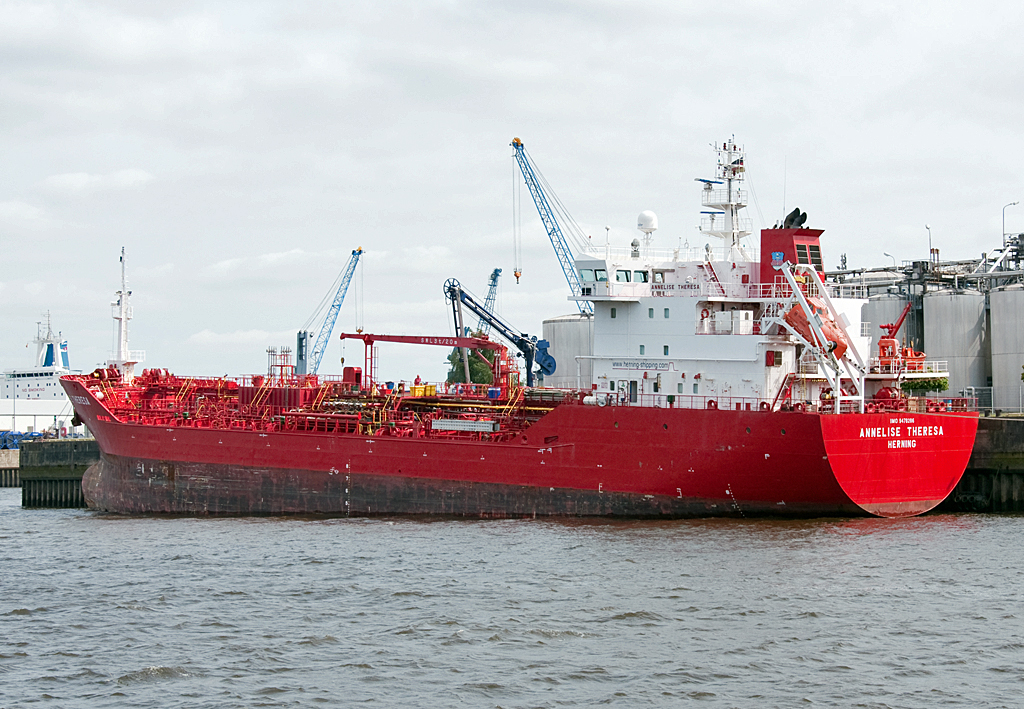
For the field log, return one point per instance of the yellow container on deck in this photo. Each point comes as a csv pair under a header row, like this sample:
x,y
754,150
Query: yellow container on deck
x,y
417,390
430,390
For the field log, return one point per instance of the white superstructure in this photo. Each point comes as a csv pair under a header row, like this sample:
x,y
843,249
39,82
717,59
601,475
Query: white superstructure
x,y
41,381
715,326
32,398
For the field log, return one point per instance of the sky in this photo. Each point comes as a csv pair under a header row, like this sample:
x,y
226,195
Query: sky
x,y
239,152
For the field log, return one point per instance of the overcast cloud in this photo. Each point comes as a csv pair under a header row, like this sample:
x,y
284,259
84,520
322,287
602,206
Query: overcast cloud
x,y
240,151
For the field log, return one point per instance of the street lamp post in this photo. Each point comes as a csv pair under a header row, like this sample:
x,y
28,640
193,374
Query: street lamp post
x,y
1004,221
885,253
930,252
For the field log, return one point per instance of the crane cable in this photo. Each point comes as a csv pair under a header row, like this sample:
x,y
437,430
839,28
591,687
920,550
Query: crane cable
x,y
320,311
581,242
517,225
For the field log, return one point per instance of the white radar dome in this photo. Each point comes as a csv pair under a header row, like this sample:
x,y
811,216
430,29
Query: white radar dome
x,y
647,222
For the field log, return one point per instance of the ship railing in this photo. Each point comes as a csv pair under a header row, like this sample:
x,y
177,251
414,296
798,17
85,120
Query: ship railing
x,y
682,401
475,391
715,290
848,291
922,404
715,198
716,224
808,367
937,367
732,326
828,407
624,256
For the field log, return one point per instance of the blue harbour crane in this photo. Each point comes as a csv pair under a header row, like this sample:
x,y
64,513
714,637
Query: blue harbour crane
x,y
548,208
484,325
308,361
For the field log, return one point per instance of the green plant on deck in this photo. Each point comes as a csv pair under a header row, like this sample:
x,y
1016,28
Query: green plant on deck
x,y
479,370
923,385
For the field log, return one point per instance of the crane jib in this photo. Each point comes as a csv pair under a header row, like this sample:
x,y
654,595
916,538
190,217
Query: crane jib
x,y
309,364
554,231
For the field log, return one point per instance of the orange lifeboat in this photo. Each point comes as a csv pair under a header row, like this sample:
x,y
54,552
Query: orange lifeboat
x,y
797,319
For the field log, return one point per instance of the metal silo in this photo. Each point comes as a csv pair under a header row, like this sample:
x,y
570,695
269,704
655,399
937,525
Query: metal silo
x,y
570,336
882,310
954,330
1007,338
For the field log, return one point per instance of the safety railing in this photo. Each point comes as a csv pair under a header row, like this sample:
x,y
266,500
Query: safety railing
x,y
936,367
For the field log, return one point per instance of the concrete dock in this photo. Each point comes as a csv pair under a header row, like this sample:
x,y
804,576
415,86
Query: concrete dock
x,y
994,479
9,464
51,471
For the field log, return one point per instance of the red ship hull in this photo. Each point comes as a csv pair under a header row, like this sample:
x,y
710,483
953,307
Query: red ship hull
x,y
574,461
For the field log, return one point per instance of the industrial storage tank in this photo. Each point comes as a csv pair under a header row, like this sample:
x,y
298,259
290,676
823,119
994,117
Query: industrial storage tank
x,y
570,336
954,331
882,310
1006,305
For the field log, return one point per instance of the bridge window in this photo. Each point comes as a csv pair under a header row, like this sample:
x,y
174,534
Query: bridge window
x,y
640,277
622,276
586,274
601,275
815,252
659,277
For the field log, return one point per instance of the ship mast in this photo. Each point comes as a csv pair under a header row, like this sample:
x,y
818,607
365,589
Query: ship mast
x,y
124,359
725,222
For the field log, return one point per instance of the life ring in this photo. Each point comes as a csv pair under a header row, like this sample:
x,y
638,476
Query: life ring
x,y
798,407
764,406
870,408
712,404
901,405
705,314
931,408
64,432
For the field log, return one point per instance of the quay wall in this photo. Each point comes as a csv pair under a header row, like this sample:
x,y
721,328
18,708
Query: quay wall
x,y
994,479
51,471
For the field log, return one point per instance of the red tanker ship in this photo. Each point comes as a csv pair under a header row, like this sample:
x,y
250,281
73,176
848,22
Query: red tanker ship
x,y
719,384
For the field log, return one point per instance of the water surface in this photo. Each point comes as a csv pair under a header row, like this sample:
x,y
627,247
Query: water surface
x,y
100,611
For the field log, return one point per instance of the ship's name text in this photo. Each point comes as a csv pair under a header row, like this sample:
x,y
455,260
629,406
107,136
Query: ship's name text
x,y
895,433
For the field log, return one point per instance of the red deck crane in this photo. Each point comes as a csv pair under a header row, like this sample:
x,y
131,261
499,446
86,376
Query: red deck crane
x,y
474,343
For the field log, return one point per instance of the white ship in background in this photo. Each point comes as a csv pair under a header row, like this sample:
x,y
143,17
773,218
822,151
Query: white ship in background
x,y
31,398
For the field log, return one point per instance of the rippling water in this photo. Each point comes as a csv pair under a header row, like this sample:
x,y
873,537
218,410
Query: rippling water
x,y
153,612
